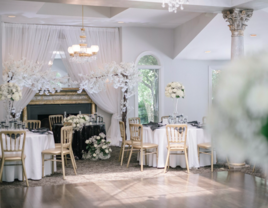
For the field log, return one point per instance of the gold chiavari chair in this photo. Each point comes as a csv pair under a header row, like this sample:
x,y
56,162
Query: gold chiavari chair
x,y
67,124
124,142
164,117
65,149
12,148
206,146
134,120
176,137
54,119
136,138
32,124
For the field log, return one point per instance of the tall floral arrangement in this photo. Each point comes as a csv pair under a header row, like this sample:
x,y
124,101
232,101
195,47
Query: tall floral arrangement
x,y
10,91
97,148
238,121
174,90
77,121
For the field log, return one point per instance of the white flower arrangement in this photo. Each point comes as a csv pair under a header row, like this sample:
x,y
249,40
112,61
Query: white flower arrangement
x,y
175,90
238,121
10,91
77,121
97,148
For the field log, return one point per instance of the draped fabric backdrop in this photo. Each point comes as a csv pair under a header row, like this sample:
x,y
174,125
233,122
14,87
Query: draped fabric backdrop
x,y
38,42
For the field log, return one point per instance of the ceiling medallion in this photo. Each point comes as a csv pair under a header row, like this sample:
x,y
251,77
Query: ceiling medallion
x,y
173,5
80,53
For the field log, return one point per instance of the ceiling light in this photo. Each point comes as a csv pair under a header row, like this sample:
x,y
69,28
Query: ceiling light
x,y
11,16
120,22
207,51
253,35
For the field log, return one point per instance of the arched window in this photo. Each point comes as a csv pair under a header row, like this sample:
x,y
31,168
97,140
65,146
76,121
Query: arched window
x,y
148,89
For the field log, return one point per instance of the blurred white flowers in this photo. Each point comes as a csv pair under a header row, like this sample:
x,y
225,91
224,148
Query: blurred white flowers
x,y
174,90
77,121
238,121
10,91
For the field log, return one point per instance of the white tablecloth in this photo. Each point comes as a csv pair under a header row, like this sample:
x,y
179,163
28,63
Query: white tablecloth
x,y
34,145
194,136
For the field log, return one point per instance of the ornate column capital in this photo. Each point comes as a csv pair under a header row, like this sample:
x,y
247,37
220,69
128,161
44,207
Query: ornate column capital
x,y
237,19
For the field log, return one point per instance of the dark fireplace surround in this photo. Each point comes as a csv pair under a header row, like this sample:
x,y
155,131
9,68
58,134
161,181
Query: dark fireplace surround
x,y
67,100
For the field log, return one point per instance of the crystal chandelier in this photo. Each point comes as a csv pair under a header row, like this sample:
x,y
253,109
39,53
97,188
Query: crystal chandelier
x,y
80,53
173,5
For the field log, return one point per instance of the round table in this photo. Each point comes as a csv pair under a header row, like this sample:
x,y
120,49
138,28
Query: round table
x,y
34,145
194,136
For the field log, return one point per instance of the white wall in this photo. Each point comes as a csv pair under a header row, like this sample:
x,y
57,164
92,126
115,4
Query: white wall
x,y
1,70
193,74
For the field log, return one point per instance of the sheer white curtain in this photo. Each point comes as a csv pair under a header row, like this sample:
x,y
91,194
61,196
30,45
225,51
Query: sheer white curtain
x,y
108,41
33,42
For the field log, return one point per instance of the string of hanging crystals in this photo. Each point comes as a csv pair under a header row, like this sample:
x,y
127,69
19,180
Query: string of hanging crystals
x,y
80,53
173,5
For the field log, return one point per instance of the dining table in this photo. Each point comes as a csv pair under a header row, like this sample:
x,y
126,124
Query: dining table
x,y
195,136
35,143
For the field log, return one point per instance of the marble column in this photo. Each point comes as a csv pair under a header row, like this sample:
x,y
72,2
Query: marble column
x,y
237,19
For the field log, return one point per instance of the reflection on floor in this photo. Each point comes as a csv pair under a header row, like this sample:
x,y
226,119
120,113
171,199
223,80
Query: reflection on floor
x,y
218,189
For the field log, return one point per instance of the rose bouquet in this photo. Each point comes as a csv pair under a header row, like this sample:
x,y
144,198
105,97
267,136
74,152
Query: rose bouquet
x,y
77,121
174,90
10,91
97,148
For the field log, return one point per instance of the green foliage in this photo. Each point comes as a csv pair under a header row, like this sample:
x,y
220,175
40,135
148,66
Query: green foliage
x,y
148,60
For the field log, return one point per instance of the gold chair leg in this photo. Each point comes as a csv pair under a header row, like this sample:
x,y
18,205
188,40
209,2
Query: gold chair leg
x,y
1,170
63,166
141,159
211,160
186,159
52,164
25,175
198,151
129,156
120,154
165,170
157,157
72,160
73,157
123,151
43,169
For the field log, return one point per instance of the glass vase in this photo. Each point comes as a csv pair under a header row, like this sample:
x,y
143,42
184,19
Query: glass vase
x,y
175,112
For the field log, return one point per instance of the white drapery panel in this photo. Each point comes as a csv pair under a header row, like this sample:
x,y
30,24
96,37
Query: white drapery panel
x,y
33,42
108,41
37,43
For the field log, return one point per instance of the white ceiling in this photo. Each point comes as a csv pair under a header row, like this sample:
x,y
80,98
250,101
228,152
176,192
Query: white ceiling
x,y
215,37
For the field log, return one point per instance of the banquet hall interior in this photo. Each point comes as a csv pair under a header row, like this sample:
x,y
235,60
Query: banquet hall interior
x,y
133,103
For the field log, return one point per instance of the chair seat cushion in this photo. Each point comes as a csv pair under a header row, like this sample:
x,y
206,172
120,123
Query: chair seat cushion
x,y
177,147
145,145
55,151
10,156
128,142
205,145
57,145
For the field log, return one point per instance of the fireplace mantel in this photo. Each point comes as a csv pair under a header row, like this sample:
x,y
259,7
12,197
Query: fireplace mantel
x,y
65,96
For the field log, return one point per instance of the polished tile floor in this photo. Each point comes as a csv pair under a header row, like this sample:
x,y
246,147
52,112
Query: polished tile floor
x,y
218,189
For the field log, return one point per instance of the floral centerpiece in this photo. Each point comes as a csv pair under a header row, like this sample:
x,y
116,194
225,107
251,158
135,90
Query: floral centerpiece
x,y
77,121
175,90
238,121
10,92
97,148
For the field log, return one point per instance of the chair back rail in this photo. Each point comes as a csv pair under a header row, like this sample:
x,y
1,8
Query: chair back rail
x,y
68,124
164,117
53,119
32,124
135,120
176,133
136,133
66,136
12,141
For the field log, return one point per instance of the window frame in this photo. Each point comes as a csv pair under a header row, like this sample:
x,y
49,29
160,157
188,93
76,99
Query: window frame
x,y
160,68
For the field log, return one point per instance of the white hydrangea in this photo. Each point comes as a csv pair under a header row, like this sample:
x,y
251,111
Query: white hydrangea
x,y
174,90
